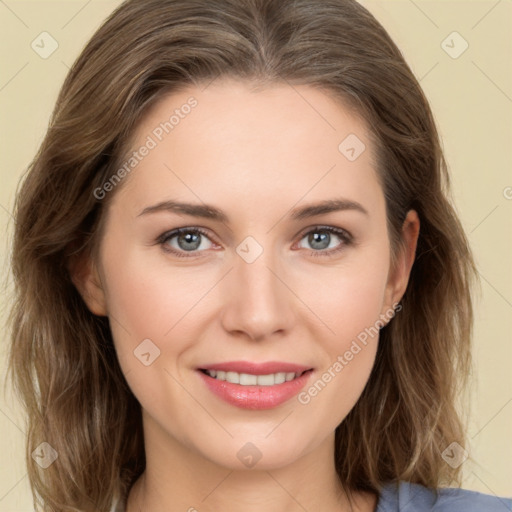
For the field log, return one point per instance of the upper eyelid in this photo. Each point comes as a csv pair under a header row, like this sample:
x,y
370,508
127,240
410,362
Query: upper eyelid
x,y
324,227
175,232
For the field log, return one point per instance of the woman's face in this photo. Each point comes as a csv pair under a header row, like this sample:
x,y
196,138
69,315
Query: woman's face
x,y
270,277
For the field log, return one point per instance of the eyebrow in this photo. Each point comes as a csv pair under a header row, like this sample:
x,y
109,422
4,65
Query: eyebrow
x,y
211,212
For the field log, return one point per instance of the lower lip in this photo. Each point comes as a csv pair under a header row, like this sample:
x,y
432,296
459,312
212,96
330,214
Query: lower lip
x,y
255,397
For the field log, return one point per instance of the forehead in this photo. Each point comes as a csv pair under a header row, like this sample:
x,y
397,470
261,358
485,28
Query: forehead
x,y
230,143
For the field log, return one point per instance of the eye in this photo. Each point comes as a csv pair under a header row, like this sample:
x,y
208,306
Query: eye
x,y
320,237
185,240
194,240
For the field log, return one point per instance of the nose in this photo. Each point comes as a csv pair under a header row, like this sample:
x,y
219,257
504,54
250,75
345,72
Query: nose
x,y
259,303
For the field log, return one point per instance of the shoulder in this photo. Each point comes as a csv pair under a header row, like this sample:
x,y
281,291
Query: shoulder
x,y
408,497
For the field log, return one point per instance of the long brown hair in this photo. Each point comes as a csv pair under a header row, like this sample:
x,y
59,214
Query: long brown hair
x,y
62,359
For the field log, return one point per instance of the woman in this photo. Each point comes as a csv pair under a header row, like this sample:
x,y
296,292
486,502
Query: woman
x,y
240,283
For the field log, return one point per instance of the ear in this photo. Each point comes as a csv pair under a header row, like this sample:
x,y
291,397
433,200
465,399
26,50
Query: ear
x,y
399,275
85,277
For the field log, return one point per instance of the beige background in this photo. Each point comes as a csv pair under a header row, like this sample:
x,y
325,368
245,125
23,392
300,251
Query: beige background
x,y
472,101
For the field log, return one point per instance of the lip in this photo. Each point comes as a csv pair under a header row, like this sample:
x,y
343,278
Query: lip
x,y
257,368
256,397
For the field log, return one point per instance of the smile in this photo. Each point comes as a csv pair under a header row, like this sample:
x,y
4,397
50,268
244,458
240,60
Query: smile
x,y
247,379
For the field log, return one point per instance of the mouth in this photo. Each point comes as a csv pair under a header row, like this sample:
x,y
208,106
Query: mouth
x,y
255,386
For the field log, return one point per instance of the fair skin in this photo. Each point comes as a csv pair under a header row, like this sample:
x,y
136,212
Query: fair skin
x,y
256,156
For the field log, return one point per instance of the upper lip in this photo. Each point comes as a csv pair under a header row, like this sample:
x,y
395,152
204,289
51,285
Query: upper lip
x,y
257,368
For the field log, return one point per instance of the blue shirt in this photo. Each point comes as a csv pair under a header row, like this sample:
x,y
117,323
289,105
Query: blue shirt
x,y
417,498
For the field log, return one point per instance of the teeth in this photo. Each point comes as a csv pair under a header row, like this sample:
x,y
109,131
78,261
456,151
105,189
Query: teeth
x,y
290,376
246,379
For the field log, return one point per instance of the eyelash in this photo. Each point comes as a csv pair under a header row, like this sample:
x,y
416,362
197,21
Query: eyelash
x,y
344,236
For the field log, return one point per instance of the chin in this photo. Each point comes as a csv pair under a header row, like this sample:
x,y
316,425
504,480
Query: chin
x,y
251,452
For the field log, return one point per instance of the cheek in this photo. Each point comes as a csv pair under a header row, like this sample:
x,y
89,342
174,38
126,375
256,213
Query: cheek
x,y
347,298
150,309
349,353
148,301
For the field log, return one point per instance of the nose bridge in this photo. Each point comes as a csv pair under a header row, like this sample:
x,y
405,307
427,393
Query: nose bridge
x,y
259,303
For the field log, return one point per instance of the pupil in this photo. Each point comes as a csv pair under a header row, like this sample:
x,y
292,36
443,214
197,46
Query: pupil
x,y
188,239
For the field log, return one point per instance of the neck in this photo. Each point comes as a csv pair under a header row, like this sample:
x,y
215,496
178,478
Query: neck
x,y
177,478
